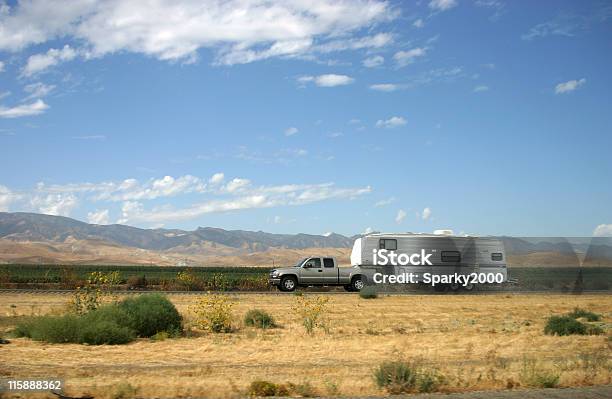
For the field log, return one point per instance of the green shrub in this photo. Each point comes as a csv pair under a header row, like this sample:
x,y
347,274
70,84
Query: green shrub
x,y
111,324
105,332
259,318
304,389
396,376
150,314
94,328
578,313
564,325
52,329
532,375
267,388
124,390
368,293
429,381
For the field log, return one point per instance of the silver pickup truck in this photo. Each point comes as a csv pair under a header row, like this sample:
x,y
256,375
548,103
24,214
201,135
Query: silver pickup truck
x,y
319,271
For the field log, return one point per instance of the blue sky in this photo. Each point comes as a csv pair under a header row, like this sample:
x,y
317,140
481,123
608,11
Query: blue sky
x,y
485,117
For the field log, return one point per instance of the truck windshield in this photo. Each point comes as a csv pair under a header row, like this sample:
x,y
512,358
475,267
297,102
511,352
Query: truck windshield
x,y
300,262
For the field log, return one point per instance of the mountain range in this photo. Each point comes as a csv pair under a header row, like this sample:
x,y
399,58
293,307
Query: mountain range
x,y
37,238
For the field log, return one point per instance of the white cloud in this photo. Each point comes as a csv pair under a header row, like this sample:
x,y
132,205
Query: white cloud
x,y
1,66
442,5
290,131
18,111
328,80
98,217
394,121
100,137
238,30
480,88
55,204
6,197
401,215
603,230
217,178
387,87
385,202
372,62
569,86
38,90
38,63
404,58
426,214
237,184
253,198
418,23
368,230
237,194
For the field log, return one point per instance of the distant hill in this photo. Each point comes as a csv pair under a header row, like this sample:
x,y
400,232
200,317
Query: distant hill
x,y
36,238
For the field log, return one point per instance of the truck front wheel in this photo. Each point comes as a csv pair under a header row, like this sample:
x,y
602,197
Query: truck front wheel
x,y
357,283
288,283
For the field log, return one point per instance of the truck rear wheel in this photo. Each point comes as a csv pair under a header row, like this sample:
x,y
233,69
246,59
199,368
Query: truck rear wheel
x,y
357,283
288,284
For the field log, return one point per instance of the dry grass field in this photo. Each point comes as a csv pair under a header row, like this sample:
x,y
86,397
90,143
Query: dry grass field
x,y
475,342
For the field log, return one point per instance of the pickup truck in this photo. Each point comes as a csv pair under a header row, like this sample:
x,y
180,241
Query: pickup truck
x,y
317,271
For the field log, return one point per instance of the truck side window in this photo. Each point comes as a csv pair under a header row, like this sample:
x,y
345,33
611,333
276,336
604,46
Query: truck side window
x,y
388,244
451,256
314,263
328,262
497,256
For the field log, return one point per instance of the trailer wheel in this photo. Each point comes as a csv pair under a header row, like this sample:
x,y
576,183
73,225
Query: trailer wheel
x,y
440,287
357,283
469,287
288,284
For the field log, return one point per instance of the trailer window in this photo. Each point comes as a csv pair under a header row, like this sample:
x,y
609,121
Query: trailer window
x,y
451,256
386,243
497,256
328,262
314,263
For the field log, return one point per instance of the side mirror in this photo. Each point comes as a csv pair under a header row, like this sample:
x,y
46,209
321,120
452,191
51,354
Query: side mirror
x,y
307,266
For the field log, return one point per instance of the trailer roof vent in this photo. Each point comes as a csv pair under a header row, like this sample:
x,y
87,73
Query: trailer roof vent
x,y
443,232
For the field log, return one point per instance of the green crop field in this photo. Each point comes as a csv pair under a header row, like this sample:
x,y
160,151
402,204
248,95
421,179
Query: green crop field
x,y
559,279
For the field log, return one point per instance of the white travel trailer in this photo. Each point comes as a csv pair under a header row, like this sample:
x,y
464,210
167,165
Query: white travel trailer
x,y
483,259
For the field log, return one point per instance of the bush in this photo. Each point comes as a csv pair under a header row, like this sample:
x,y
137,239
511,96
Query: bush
x,y
214,313
149,314
578,313
52,329
94,328
396,376
368,293
109,324
564,325
532,375
267,388
137,282
104,332
259,318
310,310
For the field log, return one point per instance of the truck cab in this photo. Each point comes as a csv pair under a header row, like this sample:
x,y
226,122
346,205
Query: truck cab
x,y
316,271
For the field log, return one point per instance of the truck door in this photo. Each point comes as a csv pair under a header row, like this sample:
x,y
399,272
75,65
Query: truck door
x,y
311,272
330,271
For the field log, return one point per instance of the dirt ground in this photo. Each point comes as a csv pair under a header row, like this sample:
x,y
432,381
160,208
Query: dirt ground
x,y
474,342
